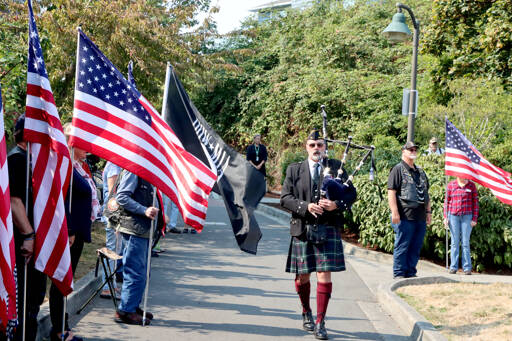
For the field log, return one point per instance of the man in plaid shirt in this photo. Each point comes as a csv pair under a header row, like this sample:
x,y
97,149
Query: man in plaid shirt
x,y
460,214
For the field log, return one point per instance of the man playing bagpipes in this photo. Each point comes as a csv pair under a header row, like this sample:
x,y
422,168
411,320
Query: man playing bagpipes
x,y
315,227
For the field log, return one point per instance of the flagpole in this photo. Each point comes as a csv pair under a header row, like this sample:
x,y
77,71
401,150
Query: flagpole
x,y
154,221
150,243
166,88
26,259
446,188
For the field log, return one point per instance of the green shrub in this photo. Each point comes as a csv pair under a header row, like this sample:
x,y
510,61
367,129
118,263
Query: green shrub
x,y
290,156
491,240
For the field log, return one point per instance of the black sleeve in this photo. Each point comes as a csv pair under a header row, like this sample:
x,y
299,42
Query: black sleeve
x,y
17,175
264,153
248,156
288,199
395,178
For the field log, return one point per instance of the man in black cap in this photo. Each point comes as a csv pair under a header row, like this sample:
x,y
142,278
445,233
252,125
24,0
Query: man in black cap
x,y
410,211
24,235
301,195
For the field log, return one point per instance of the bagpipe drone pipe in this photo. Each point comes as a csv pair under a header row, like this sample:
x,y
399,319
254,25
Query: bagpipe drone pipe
x,y
341,188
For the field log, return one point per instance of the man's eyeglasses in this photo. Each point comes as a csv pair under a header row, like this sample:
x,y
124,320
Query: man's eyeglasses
x,y
412,150
318,144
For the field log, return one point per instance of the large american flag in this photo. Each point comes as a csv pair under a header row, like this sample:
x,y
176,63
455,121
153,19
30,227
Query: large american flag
x,y
7,257
51,169
463,159
113,120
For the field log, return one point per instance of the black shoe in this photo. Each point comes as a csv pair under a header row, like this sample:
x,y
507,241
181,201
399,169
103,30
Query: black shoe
x,y
398,277
141,313
320,332
308,324
154,254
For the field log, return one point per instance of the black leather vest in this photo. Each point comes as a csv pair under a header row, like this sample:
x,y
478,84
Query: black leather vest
x,y
413,194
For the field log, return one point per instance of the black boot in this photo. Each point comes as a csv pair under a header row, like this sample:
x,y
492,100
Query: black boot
x,y
320,332
308,324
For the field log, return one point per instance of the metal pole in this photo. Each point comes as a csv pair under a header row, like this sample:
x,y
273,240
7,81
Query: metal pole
x,y
150,243
65,304
412,95
446,233
27,183
414,71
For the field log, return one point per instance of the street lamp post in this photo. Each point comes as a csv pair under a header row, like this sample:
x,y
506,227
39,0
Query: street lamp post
x,y
398,31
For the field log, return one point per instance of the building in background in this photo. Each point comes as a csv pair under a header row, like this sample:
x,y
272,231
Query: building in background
x,y
278,7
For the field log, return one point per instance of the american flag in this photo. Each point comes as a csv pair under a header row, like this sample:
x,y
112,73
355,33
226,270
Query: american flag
x,y
464,160
51,169
7,257
114,121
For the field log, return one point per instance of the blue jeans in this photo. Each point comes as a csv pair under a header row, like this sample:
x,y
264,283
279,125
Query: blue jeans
x,y
111,245
460,226
409,236
171,210
135,259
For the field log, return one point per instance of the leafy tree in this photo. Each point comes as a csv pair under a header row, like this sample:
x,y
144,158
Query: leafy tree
x,y
148,32
470,38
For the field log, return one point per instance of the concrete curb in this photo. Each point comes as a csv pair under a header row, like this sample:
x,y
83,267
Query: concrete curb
x,y
83,289
282,216
407,318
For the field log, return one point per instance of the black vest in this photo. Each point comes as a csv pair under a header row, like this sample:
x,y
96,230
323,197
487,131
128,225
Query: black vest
x,y
136,223
413,194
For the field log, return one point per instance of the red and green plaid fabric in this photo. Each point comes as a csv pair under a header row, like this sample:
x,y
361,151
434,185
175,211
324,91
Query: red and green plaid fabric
x,y
305,257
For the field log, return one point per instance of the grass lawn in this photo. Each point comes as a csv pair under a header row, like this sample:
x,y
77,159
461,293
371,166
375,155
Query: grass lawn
x,y
464,311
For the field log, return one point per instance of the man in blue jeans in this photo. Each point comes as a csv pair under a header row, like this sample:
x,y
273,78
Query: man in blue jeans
x,y
135,199
410,211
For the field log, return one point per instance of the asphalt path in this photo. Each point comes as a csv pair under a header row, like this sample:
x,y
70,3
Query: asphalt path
x,y
204,288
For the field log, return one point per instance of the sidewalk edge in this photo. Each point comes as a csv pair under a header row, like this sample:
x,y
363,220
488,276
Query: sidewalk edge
x,y
83,289
404,315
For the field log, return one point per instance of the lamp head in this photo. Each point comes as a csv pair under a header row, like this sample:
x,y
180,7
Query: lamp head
x,y
397,31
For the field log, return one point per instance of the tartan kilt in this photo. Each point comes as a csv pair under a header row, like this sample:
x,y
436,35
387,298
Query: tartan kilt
x,y
305,257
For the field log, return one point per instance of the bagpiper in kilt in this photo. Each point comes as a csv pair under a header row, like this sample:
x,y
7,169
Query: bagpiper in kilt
x,y
299,196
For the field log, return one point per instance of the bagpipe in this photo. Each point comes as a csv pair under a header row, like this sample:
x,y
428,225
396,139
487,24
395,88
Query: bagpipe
x,y
341,188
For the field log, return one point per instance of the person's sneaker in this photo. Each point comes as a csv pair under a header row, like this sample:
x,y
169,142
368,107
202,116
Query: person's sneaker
x,y
185,230
193,231
452,272
398,277
467,272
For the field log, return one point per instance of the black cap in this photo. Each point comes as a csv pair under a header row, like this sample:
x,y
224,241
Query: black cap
x,y
20,124
314,135
408,145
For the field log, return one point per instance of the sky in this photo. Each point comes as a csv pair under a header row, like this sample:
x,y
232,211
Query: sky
x,y
232,12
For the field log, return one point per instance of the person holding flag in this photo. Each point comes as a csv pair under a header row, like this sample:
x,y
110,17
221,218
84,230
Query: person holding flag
x,y
135,197
460,215
8,318
24,236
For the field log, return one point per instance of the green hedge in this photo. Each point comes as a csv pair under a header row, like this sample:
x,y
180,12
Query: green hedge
x,y
491,240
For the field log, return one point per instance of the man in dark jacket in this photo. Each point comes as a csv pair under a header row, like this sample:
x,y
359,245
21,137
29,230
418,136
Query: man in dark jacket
x,y
135,199
301,195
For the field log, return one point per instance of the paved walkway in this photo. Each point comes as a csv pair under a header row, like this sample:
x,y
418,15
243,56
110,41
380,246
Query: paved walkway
x,y
204,288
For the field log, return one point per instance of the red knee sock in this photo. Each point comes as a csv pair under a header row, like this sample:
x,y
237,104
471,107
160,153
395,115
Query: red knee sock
x,y
323,294
303,290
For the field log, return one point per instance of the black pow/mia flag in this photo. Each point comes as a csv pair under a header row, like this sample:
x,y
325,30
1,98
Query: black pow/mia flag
x,y
239,183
